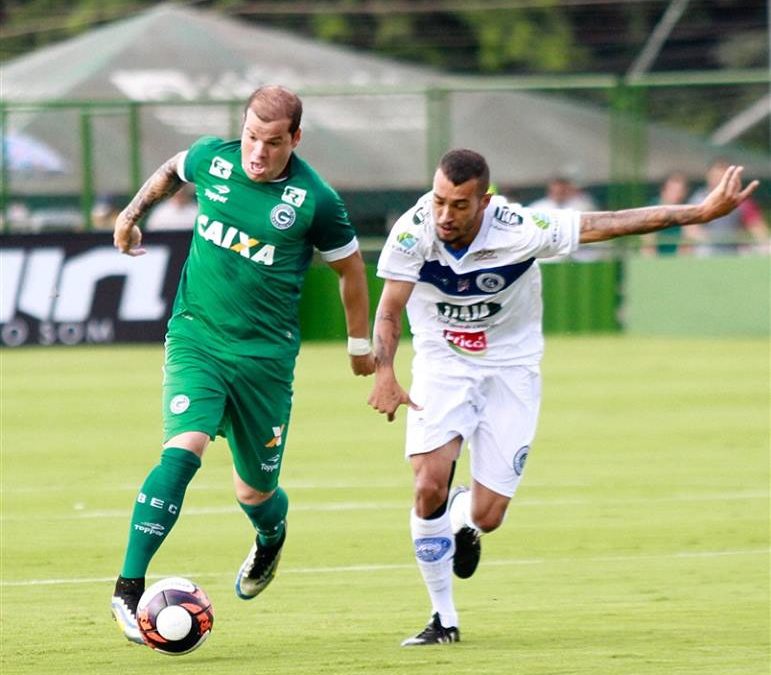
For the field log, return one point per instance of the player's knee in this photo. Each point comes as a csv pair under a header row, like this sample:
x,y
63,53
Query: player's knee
x,y
488,521
428,487
430,494
248,495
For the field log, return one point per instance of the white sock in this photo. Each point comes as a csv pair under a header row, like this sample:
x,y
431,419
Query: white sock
x,y
434,547
460,512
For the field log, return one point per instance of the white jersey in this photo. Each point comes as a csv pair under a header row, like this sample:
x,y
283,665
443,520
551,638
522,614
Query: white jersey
x,y
483,303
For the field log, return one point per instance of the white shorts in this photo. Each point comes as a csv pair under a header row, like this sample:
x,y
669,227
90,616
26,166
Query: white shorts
x,y
494,409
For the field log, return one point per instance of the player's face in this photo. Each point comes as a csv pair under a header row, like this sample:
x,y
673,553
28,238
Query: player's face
x,y
266,147
458,210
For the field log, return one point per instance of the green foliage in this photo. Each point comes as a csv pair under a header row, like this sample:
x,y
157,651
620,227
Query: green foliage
x,y
331,28
538,39
638,542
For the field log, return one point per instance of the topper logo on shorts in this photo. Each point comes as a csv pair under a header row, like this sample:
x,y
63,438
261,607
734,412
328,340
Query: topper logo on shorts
x,y
270,464
473,344
215,232
431,549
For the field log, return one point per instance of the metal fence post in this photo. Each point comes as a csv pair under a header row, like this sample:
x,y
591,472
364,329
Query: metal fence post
x,y
4,168
87,151
628,146
438,127
135,141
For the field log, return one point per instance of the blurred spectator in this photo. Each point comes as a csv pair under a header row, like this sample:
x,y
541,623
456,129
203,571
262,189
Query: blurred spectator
x,y
563,193
730,233
674,190
104,212
19,217
178,212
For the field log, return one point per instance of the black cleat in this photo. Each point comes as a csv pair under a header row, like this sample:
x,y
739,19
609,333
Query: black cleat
x,y
434,634
259,568
125,599
468,550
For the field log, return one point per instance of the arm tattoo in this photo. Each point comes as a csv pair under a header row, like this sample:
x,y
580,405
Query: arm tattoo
x,y
388,328
602,225
163,183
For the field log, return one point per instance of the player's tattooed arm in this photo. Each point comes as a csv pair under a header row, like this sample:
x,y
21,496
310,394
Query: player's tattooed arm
x,y
603,225
388,320
388,328
387,394
724,198
165,181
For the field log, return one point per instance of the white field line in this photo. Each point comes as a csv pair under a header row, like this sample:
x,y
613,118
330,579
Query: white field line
x,y
79,512
353,569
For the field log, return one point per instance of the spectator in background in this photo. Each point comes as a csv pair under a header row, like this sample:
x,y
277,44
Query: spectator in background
x,y
104,212
176,213
674,190
563,193
732,232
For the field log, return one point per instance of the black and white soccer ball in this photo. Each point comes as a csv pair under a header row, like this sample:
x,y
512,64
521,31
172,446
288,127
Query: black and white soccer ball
x,y
175,616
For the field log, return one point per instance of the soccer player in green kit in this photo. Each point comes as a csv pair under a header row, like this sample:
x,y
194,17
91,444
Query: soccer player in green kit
x,y
233,335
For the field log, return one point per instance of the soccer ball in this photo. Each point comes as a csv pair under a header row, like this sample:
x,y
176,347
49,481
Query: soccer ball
x,y
175,616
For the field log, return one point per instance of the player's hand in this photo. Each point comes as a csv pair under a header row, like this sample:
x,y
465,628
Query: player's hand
x,y
363,364
387,395
127,237
727,194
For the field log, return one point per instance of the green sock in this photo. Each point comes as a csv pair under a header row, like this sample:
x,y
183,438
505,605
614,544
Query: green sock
x,y
269,517
157,508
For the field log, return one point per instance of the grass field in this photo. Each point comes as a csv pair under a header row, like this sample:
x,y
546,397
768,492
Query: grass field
x,y
638,543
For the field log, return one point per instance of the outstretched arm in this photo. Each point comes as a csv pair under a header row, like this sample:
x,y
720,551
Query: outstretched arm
x,y
355,297
127,237
727,195
387,394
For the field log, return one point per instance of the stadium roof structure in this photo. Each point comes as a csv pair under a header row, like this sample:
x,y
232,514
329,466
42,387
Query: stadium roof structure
x,y
367,119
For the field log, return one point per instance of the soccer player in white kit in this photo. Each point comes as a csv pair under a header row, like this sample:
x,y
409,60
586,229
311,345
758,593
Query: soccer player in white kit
x,y
464,264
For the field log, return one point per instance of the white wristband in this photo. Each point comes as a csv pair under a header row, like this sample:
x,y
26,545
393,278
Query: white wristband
x,y
359,346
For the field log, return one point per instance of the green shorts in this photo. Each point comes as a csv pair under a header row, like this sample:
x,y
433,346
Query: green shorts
x,y
246,399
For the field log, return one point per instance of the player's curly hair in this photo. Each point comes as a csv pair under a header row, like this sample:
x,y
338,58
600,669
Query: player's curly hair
x,y
273,102
461,165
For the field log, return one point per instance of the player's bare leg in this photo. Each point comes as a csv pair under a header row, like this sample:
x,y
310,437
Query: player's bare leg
x,y
473,512
433,541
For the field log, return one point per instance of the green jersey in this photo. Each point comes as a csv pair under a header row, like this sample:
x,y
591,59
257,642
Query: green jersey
x,y
251,247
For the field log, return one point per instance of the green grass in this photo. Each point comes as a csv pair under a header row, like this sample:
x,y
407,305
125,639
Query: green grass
x,y
638,542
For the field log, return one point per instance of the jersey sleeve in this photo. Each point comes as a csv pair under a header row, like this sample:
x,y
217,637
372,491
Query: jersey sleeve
x,y
551,233
404,252
198,152
332,232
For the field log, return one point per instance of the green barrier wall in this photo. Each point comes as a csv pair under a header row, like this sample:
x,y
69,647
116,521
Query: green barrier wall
x,y
578,298
698,296
581,297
